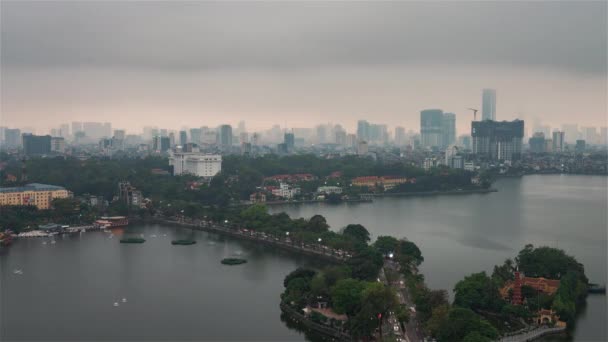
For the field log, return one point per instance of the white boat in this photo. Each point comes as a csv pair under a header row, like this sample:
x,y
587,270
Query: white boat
x,y
53,242
124,300
17,272
116,304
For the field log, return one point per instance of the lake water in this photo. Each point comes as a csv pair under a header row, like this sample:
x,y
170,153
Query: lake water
x,y
68,289
463,234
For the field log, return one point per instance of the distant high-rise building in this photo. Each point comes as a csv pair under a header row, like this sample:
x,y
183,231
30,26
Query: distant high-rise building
x,y
363,130
195,135
12,137
76,127
497,140
488,104
161,144
58,144
431,123
119,134
571,133
321,132
243,137
590,135
341,137
604,135
241,127
580,146
36,144
558,142
465,141
537,143
183,138
64,130
225,137
289,141
448,127
400,136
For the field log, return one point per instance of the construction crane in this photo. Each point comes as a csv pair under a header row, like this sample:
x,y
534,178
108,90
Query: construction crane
x,y
474,113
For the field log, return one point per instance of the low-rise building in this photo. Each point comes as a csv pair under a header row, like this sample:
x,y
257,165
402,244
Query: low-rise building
x,y
329,190
257,197
285,191
195,163
387,182
39,195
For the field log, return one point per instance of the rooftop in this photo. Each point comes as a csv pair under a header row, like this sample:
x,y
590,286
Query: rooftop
x,y
32,187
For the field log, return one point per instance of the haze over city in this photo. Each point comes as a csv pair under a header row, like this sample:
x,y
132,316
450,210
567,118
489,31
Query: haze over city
x,y
190,64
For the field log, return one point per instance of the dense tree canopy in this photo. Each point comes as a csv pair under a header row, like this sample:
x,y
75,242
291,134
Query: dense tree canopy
x,y
477,292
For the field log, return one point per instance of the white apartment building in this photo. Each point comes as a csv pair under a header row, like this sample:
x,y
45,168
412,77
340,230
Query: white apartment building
x,y
285,191
195,163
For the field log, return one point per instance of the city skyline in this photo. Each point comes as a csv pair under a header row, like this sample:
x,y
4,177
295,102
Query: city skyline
x,y
83,62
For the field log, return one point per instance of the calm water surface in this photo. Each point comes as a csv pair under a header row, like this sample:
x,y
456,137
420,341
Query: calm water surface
x,y
67,289
459,235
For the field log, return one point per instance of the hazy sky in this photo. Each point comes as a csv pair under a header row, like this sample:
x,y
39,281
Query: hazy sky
x,y
175,64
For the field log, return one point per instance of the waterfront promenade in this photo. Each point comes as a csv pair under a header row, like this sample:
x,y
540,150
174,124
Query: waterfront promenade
x,y
317,250
532,334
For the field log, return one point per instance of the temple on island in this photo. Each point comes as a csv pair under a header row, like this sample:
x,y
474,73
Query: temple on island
x,y
511,291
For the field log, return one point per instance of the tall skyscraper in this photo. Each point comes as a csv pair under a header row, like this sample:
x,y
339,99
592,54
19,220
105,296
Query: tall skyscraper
x,y
399,136
448,127
558,142
571,132
195,135
76,127
225,137
12,137
289,141
431,121
488,104
363,133
64,130
495,140
183,138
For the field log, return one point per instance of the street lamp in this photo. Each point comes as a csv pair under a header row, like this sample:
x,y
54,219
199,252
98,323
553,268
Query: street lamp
x,y
390,255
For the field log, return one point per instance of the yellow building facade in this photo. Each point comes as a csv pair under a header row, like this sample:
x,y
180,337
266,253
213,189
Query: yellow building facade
x,y
39,195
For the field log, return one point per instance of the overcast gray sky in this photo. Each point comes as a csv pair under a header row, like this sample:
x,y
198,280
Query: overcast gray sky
x,y
176,64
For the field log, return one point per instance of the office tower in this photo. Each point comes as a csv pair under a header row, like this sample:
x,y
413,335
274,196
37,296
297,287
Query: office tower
x,y
321,134
164,132
431,123
54,132
195,135
225,136
399,136
36,144
363,133
255,139
183,138
12,137
537,143
341,137
289,141
580,146
497,140
172,139
243,137
558,142
107,129
241,127
571,132
590,135
58,144
488,104
76,127
448,127
161,144
64,130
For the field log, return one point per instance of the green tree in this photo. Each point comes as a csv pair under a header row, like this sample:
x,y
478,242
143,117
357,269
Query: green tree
x,y
299,273
477,291
346,296
357,232
462,322
386,244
